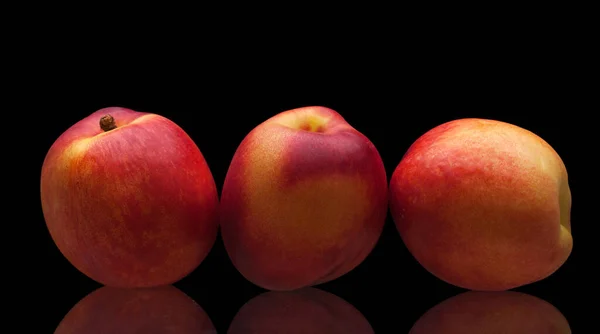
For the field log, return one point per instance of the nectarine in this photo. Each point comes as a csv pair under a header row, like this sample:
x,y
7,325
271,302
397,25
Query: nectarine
x,y
483,204
129,199
304,200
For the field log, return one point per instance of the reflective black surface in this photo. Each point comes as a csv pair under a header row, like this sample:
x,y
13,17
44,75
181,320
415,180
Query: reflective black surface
x,y
309,310
388,293
393,105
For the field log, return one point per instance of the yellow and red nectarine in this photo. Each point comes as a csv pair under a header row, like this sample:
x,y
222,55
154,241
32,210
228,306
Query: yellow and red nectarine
x,y
304,200
483,204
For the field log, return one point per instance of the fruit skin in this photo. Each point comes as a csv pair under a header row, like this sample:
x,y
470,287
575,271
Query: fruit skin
x,y
306,310
135,206
163,309
304,200
483,204
492,313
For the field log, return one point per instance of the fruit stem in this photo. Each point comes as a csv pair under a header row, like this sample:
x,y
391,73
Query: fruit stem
x,y
107,123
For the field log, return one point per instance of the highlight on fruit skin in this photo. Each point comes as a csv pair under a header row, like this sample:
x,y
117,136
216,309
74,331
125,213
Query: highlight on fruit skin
x,y
492,313
483,205
163,309
304,200
129,199
307,310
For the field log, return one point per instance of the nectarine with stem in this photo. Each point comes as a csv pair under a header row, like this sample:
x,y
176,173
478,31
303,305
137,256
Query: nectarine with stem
x,y
129,199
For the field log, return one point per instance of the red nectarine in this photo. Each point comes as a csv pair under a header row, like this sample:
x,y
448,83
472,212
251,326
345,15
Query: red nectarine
x,y
129,199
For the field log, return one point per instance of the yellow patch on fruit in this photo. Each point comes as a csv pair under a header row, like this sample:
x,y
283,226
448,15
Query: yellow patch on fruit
x,y
75,151
311,214
314,213
303,121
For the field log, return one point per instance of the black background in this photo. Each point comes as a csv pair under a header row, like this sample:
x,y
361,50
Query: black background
x,y
220,91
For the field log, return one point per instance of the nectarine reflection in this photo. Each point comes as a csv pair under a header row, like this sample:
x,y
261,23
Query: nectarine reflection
x,y
307,310
492,313
164,309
